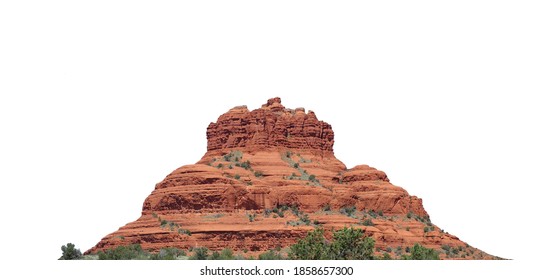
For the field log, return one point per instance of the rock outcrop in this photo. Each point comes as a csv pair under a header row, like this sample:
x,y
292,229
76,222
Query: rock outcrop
x,y
270,126
268,177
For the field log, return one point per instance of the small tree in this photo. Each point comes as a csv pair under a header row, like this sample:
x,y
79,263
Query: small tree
x,y
350,244
69,252
312,247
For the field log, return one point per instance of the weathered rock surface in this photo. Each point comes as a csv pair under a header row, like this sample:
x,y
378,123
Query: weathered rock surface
x,y
265,173
270,126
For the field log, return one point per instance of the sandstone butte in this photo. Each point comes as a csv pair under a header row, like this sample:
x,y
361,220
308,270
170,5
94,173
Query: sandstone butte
x,y
257,164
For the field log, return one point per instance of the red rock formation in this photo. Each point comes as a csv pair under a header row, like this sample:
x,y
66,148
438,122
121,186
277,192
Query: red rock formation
x,y
270,126
276,158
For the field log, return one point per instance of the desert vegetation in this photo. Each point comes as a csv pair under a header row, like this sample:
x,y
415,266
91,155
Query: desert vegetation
x,y
69,252
303,174
348,243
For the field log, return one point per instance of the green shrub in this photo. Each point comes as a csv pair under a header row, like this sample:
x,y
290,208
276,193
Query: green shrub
x,y
293,223
295,209
347,244
214,256
409,215
184,231
372,213
200,253
398,250
168,254
237,176
313,247
386,256
130,252
446,248
251,217
326,208
419,252
349,211
305,219
367,222
69,252
258,174
270,255
350,244
226,254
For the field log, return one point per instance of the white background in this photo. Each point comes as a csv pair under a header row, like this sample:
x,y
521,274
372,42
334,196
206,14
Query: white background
x,y
100,100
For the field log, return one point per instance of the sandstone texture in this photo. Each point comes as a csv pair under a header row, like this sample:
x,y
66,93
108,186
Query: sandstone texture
x,y
268,177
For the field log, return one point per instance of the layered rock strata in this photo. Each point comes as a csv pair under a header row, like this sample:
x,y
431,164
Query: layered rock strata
x,y
268,177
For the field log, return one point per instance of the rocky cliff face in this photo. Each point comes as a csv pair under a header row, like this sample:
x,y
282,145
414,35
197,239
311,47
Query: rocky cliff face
x,y
268,177
270,126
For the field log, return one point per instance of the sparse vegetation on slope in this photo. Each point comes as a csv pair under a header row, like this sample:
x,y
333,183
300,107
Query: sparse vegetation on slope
x,y
419,252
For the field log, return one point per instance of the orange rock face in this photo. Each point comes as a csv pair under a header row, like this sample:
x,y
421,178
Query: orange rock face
x,y
270,126
268,177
